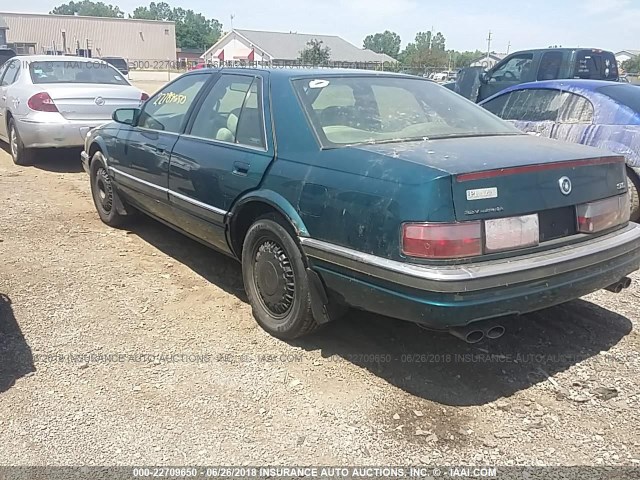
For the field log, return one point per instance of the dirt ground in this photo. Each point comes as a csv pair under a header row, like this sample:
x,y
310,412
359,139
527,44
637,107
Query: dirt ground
x,y
121,347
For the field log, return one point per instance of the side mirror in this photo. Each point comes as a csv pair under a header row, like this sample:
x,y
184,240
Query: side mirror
x,y
485,77
126,116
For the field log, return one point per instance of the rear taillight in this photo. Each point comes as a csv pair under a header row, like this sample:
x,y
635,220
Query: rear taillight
x,y
442,240
144,97
597,216
42,102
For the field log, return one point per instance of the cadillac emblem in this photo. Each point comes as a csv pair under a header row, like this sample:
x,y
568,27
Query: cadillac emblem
x,y
565,185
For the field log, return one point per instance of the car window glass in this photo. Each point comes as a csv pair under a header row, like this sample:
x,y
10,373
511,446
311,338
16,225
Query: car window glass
x,y
370,109
57,71
515,69
628,95
232,112
550,66
12,73
576,109
3,69
531,105
596,65
167,109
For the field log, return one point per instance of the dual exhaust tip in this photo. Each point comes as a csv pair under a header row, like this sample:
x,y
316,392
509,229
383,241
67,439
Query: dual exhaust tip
x,y
620,285
475,333
478,331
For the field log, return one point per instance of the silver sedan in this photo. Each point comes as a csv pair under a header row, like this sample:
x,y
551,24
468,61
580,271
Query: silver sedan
x,y
54,101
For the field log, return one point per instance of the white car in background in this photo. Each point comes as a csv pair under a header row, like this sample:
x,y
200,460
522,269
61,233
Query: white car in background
x,y
54,101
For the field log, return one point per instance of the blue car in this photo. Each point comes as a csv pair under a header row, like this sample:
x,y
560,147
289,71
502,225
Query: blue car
x,y
382,192
591,112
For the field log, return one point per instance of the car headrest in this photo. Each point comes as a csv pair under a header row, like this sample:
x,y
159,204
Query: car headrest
x,y
232,122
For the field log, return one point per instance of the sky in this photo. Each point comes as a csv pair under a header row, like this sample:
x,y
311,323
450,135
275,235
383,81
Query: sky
x,y
606,24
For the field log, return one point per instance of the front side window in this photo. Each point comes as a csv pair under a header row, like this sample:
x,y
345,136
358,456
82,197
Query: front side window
x,y
513,70
70,71
167,109
232,112
373,109
531,105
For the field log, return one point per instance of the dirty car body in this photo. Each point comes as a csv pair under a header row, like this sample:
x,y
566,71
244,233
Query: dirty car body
x,y
392,195
590,112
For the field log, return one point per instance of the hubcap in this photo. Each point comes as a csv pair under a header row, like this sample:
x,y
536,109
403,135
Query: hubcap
x,y
274,279
104,190
14,143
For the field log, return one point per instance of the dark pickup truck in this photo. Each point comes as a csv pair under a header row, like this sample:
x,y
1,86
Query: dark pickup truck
x,y
6,54
477,84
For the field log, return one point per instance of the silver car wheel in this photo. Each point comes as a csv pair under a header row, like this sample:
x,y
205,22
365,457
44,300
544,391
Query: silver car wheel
x,y
14,142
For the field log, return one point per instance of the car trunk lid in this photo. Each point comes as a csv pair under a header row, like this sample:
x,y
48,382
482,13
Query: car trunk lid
x,y
503,176
91,101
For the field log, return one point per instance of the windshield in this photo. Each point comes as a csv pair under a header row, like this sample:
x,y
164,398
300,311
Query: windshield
x,y
626,94
69,71
374,109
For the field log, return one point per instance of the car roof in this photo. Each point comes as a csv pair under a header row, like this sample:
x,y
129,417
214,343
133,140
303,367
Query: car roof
x,y
574,85
53,58
297,72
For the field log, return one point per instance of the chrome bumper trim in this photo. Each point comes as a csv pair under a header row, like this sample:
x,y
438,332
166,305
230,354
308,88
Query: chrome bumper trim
x,y
480,275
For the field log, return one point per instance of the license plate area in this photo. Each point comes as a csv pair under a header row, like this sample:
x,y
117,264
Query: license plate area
x,y
510,233
557,223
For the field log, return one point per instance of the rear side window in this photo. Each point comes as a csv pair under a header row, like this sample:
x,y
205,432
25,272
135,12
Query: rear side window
x,y
596,65
13,68
532,105
550,66
575,109
232,112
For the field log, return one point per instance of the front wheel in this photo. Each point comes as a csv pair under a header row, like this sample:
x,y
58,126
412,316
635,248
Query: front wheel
x,y
276,280
105,196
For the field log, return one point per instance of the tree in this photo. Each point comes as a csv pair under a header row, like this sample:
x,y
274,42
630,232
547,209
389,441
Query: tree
x,y
386,42
426,51
632,65
88,8
315,53
193,30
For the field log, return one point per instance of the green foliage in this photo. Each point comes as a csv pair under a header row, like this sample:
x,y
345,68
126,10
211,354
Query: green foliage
x,y
387,42
632,65
427,51
88,8
193,30
315,53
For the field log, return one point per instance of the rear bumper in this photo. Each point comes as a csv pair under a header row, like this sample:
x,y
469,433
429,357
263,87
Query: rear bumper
x,y
59,133
446,296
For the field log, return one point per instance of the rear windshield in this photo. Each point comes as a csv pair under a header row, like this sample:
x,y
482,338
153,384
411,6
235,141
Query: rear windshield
x,y
69,71
596,65
119,63
626,94
379,109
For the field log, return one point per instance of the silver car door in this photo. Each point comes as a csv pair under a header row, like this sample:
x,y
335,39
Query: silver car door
x,y
3,100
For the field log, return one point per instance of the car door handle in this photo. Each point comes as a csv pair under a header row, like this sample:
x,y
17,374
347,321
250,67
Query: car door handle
x,y
240,168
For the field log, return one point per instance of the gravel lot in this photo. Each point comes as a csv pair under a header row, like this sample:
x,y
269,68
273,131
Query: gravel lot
x,y
122,347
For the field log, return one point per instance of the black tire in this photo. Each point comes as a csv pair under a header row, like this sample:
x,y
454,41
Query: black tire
x,y
633,185
21,156
105,196
275,280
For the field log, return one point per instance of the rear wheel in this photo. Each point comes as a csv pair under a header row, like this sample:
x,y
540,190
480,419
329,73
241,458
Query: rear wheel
x,y
276,281
633,186
20,155
105,196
